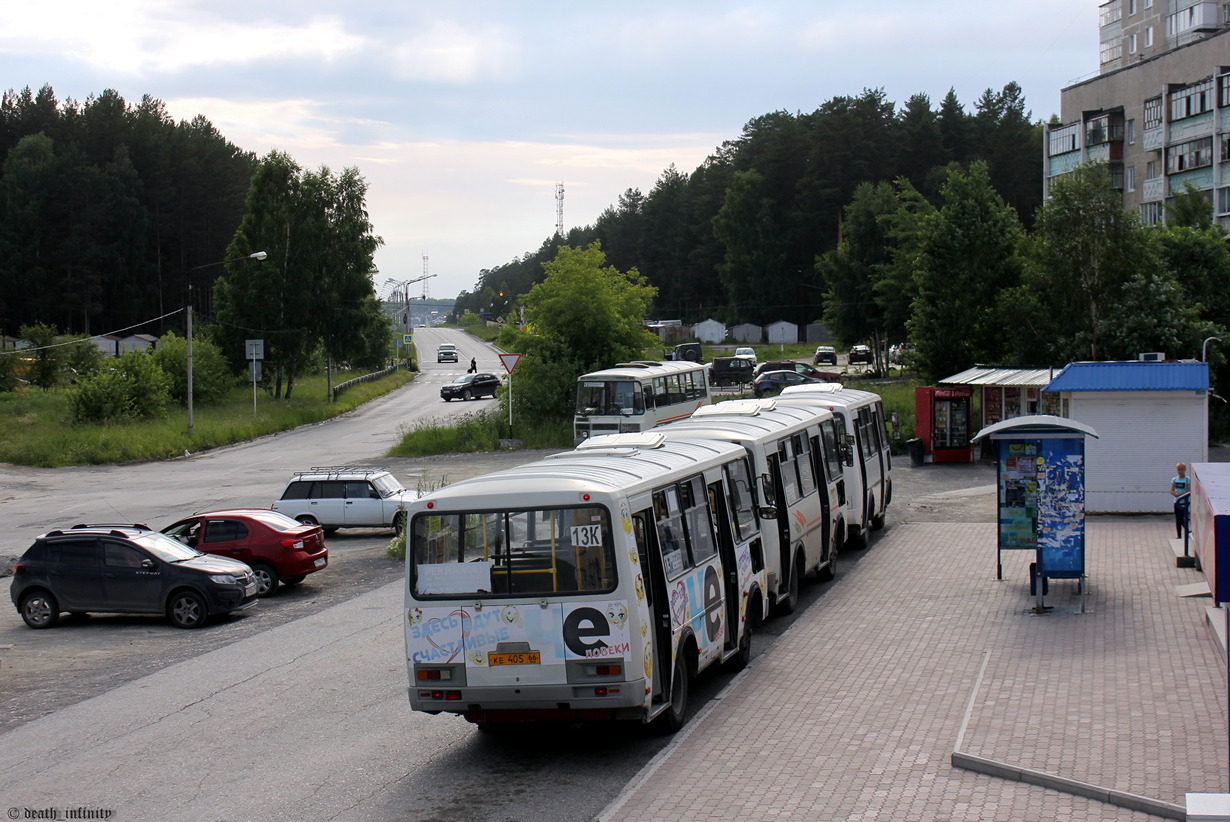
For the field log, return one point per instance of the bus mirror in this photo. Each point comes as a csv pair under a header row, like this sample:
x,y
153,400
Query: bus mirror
x,y
847,449
768,511
766,492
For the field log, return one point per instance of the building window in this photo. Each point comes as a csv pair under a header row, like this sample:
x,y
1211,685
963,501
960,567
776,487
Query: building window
x,y
1131,44
1064,139
1151,170
1225,149
1148,4
1131,7
1195,99
1129,178
1111,53
1223,200
1151,213
1148,36
1153,113
1223,90
1131,132
1189,155
1112,14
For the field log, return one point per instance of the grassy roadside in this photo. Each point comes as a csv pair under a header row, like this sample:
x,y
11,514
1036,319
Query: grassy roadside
x,y
34,427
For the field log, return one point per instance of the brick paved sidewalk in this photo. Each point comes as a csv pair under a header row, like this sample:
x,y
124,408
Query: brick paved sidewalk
x,y
854,713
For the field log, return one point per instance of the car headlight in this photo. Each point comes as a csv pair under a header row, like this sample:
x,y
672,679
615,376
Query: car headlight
x,y
224,579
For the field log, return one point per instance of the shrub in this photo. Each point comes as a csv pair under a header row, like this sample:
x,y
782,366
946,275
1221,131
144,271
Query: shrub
x,y
211,374
135,387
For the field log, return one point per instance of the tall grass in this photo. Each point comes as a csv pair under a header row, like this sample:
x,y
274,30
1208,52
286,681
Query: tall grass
x,y
479,432
35,427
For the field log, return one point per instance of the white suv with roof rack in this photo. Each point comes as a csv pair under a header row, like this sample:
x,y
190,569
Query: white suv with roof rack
x,y
346,496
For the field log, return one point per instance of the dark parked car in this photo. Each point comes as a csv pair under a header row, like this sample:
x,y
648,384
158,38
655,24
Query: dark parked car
x,y
470,386
771,383
278,549
126,569
859,353
731,371
826,355
799,368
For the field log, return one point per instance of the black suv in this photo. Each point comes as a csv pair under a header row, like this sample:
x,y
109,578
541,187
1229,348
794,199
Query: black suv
x,y
126,569
468,386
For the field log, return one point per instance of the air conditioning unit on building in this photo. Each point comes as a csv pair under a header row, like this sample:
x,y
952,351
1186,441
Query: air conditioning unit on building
x,y
1151,356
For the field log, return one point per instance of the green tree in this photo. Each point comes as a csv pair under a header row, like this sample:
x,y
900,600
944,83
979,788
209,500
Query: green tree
x,y
1191,208
314,291
48,363
967,255
1085,246
585,315
211,373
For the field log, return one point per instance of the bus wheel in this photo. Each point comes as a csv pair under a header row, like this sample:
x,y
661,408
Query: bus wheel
x,y
829,571
738,661
877,522
676,715
788,605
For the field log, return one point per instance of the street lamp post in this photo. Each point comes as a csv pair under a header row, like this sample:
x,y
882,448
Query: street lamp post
x,y
256,255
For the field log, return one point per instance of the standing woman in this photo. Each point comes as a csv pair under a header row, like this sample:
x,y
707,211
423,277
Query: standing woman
x,y
1181,489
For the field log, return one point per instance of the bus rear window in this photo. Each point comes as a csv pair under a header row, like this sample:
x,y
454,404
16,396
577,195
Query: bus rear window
x,y
513,553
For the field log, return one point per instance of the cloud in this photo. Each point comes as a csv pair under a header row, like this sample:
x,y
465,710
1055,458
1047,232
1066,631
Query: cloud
x,y
447,52
140,37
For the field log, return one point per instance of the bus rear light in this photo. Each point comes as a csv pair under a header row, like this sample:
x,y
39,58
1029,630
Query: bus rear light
x,y
447,696
434,674
609,670
602,690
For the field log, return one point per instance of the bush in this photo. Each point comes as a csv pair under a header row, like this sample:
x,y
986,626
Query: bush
x,y
9,362
211,374
135,387
83,357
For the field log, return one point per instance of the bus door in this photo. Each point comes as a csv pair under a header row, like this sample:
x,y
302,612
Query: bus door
x,y
654,582
781,524
730,562
823,481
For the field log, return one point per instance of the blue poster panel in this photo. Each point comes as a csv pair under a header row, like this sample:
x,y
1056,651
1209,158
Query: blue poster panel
x,y
1018,493
1061,508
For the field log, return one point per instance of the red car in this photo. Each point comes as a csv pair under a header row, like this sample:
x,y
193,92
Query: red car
x,y
277,548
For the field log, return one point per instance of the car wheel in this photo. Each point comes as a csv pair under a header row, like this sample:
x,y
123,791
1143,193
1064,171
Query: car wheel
x,y
448,399
466,396
399,522
186,609
266,580
39,609
306,519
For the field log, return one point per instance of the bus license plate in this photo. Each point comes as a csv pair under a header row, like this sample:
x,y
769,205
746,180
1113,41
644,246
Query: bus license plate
x,y
528,658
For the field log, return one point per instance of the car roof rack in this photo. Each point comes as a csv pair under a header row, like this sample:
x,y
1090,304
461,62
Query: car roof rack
x,y
138,525
343,469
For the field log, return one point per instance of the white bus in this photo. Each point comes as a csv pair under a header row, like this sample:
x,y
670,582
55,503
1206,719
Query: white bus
x,y
590,585
796,454
637,396
869,471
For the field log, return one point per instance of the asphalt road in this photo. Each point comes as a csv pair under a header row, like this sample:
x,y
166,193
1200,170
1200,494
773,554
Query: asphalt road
x,y
297,708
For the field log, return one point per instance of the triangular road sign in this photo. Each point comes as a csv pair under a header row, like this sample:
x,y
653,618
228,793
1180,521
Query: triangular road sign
x,y
510,361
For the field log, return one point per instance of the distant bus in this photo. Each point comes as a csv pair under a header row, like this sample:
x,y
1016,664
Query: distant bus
x,y
637,396
591,585
869,471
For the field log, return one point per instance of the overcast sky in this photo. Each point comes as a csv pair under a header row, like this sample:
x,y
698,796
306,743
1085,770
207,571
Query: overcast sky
x,y
463,116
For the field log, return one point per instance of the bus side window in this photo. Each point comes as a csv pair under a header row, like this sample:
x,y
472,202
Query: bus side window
x,y
642,551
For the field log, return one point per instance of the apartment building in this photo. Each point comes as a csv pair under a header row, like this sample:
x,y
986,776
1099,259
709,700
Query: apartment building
x,y
1158,111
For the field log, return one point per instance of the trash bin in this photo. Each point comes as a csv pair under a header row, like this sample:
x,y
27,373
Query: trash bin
x,y
916,450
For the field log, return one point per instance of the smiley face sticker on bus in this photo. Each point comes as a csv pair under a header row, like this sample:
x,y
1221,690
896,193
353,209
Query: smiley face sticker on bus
x,y
625,516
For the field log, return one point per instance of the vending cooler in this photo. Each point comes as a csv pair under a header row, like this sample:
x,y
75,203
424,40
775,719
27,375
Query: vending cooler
x,y
942,419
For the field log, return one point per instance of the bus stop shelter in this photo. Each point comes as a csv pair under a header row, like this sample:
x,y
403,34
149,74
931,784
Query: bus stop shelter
x,y
1040,480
